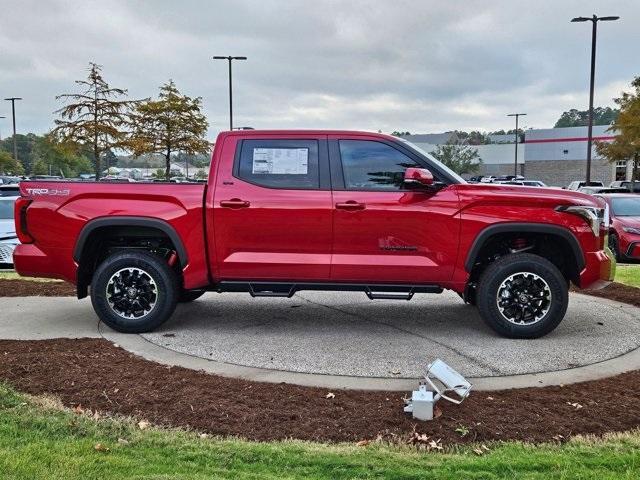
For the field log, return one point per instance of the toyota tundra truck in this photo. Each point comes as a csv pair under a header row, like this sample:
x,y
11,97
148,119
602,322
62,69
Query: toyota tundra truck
x,y
285,211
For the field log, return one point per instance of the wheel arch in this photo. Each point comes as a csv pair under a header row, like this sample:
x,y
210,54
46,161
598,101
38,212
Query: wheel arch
x,y
86,241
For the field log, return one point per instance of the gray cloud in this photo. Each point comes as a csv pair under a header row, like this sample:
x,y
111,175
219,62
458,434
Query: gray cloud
x,y
422,66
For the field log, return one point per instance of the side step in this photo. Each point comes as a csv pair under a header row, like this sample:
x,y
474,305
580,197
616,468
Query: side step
x,y
287,289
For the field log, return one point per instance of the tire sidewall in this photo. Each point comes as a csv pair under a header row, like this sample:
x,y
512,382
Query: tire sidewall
x,y
507,266
163,276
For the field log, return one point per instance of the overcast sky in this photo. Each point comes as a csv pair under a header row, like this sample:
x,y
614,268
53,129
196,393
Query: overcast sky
x,y
422,66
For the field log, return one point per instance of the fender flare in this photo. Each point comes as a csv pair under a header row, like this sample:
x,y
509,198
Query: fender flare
x,y
125,221
515,227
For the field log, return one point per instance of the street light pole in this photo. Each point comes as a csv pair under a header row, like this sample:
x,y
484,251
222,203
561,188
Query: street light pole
x,y
594,32
13,113
229,59
517,115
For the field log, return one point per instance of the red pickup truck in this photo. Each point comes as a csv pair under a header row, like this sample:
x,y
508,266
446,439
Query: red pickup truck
x,y
284,211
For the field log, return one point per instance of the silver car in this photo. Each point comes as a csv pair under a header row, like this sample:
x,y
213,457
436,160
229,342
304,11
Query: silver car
x,y
8,237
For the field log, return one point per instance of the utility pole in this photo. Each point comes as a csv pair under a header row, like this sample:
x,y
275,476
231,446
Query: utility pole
x,y
13,113
594,32
229,59
517,136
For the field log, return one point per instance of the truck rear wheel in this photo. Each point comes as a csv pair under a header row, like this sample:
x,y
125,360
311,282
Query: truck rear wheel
x,y
522,296
134,292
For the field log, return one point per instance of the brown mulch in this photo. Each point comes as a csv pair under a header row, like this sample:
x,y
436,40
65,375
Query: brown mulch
x,y
618,292
97,375
28,288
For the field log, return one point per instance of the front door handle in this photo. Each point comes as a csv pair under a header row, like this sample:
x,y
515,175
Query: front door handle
x,y
351,205
234,203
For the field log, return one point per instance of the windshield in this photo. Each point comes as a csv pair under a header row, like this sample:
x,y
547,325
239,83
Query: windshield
x,y
6,209
626,207
440,165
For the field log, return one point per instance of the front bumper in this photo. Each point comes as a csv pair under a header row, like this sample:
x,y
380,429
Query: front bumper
x,y
599,271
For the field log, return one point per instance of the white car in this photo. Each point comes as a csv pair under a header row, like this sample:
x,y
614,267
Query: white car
x,y
8,237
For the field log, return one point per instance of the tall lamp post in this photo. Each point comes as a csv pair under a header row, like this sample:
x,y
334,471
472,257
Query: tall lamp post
x,y
594,20
229,59
13,114
517,115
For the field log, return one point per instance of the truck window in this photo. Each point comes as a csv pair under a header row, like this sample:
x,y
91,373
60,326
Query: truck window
x,y
285,164
370,165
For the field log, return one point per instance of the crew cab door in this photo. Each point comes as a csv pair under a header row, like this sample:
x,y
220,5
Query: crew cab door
x,y
384,231
272,209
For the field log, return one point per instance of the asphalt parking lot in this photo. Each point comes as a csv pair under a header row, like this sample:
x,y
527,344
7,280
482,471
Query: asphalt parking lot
x,y
315,337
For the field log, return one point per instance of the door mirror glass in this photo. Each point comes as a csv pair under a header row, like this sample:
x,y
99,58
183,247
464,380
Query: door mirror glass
x,y
418,177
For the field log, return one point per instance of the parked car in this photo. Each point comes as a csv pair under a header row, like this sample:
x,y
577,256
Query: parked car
x,y
630,186
624,233
475,179
576,185
9,180
115,178
524,183
594,190
12,190
8,236
285,211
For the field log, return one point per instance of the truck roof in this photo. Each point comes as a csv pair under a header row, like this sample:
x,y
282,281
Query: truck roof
x,y
251,133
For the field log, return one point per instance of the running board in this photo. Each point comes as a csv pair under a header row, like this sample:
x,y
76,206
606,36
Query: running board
x,y
288,289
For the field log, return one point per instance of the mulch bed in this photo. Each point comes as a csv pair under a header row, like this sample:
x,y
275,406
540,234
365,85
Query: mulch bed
x,y
96,375
28,288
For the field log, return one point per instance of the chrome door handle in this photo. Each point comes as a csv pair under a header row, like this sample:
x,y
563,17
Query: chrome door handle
x,y
234,203
351,205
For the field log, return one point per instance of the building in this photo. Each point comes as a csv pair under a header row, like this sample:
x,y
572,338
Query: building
x,y
557,156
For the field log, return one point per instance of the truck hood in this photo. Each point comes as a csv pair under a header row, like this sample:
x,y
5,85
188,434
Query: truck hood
x,y
548,196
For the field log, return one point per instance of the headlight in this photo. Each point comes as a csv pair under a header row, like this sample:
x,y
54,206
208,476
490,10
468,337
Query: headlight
x,y
635,230
594,216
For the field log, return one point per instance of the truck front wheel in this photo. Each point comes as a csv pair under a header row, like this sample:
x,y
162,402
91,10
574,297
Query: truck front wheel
x,y
522,296
134,292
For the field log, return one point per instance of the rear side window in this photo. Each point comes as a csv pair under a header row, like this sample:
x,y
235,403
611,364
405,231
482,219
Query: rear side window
x,y
280,163
370,165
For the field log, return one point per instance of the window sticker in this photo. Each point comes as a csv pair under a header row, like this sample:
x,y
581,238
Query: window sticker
x,y
280,161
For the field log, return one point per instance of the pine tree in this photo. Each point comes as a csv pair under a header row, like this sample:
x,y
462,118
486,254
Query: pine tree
x,y
98,116
171,124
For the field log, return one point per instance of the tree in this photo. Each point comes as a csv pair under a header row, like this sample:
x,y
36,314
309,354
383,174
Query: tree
x,y
9,166
626,145
459,158
580,118
171,124
96,116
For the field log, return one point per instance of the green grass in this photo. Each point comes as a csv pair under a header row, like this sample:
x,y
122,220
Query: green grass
x,y
39,441
14,276
628,274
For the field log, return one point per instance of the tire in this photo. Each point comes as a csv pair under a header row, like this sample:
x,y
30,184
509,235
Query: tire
x,y
152,282
614,246
187,296
522,296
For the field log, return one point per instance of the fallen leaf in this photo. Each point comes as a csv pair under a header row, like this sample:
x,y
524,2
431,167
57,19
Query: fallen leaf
x,y
489,398
363,443
330,395
437,412
575,405
204,435
78,409
100,448
143,424
123,441
394,372
478,451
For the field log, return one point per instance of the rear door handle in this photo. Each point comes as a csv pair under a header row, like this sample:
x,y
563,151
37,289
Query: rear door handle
x,y
234,203
351,205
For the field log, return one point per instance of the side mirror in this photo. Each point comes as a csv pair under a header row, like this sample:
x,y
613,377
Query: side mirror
x,y
418,177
